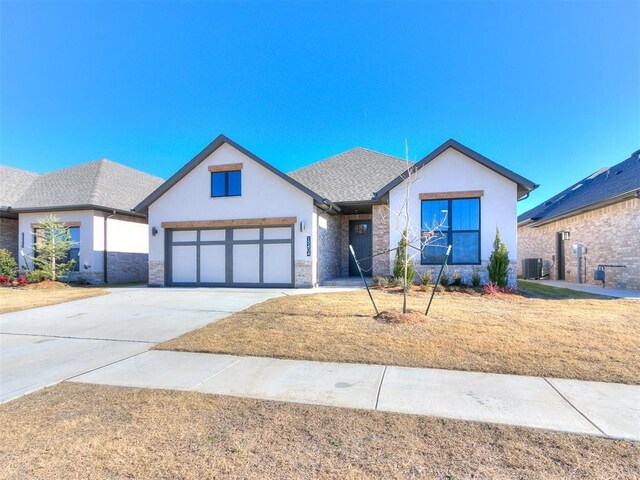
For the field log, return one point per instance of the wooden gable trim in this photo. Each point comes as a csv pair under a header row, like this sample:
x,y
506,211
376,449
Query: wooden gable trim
x,y
64,224
229,167
448,195
244,222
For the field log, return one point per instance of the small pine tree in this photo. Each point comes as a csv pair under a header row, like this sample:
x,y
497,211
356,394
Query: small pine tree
x,y
403,261
498,268
51,248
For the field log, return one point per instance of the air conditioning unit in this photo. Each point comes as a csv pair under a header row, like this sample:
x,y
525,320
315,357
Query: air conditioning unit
x,y
532,268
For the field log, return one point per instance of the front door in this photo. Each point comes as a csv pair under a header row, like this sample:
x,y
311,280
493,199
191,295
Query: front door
x,y
560,254
360,240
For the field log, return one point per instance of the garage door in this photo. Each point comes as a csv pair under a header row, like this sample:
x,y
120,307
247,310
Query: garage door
x,y
231,257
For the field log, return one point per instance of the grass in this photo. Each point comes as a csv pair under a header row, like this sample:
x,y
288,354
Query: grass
x,y
575,337
85,431
40,295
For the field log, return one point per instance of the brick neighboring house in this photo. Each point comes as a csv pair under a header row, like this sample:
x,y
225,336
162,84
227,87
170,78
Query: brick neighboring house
x,y
600,212
95,201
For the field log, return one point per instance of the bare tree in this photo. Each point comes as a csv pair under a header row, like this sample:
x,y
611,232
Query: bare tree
x,y
413,239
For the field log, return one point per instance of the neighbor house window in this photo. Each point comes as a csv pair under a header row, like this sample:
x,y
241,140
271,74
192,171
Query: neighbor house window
x,y
456,223
74,251
226,184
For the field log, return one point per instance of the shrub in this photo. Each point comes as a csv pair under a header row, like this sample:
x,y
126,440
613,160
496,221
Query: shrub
x,y
399,262
21,281
475,278
444,279
457,279
380,281
491,288
498,268
426,278
36,276
8,265
4,280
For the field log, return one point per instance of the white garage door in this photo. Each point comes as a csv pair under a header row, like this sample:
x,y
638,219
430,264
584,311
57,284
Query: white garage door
x,y
239,257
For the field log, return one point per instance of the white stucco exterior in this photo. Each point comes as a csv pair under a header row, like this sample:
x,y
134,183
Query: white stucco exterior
x,y
264,195
453,171
125,235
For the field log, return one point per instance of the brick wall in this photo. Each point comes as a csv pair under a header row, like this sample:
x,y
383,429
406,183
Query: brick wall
x,y
611,235
9,235
127,267
329,240
380,225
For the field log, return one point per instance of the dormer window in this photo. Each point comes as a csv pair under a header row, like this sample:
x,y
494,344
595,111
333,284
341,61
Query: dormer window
x,y
226,180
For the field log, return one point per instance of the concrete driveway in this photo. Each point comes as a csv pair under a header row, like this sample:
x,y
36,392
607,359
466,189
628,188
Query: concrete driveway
x,y
46,345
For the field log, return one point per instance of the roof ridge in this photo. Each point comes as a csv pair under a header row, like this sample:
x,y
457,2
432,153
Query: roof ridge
x,y
342,153
93,195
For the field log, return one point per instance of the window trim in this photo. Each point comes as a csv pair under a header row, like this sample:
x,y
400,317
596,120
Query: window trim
x,y
450,231
226,183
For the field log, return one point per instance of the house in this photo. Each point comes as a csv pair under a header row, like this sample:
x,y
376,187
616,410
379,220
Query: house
x,y
228,218
95,201
595,221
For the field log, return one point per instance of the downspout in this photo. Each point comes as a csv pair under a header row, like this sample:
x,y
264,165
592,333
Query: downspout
x,y
105,276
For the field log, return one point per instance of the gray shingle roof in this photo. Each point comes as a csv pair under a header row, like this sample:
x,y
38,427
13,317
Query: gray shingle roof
x,y
600,186
13,183
350,176
101,183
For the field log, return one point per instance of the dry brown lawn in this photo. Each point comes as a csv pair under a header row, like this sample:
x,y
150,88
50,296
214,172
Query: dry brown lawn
x,y
585,338
84,431
40,295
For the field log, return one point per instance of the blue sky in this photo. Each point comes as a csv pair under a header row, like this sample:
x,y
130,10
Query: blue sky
x,y
548,89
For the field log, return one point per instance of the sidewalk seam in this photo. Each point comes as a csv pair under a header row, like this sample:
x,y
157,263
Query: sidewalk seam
x,y
380,387
214,375
574,407
101,366
76,338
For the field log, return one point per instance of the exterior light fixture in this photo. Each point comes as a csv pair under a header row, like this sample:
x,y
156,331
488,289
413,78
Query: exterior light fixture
x,y
154,231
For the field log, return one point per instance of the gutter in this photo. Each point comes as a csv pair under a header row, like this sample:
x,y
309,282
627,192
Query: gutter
x,y
105,252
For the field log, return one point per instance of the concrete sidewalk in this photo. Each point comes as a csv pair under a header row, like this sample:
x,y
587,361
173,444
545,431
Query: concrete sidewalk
x,y
596,289
593,408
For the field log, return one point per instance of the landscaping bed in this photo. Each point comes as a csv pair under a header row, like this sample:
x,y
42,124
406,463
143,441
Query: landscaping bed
x,y
580,337
40,294
86,431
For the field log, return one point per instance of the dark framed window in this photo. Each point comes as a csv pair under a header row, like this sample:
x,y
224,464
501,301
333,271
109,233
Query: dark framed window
x,y
458,224
74,251
226,184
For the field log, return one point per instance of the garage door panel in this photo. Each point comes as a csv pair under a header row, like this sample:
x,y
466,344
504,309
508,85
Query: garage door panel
x,y
277,233
246,263
185,235
246,234
213,263
183,264
277,263
213,235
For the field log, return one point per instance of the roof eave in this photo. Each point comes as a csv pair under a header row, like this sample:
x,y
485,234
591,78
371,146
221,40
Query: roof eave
x,y
65,208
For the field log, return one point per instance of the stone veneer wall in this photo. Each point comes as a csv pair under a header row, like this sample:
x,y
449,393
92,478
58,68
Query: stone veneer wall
x,y
303,274
9,235
380,225
344,241
329,240
611,235
156,273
